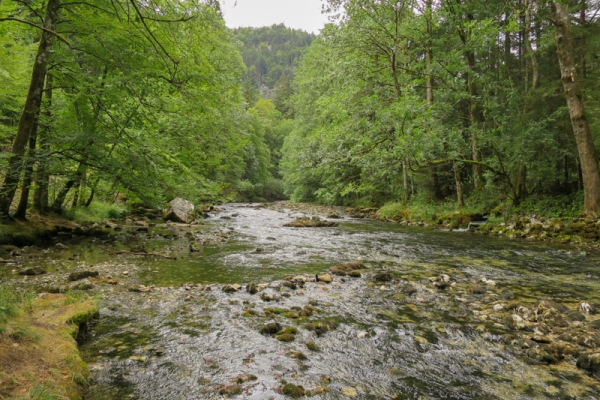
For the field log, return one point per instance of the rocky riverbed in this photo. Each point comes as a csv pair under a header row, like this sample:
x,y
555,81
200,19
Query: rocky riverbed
x,y
241,306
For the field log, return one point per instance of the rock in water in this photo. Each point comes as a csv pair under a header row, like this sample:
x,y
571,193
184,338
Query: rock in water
x,y
179,210
326,278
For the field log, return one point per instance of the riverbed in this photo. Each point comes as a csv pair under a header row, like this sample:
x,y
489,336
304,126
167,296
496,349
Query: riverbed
x,y
428,317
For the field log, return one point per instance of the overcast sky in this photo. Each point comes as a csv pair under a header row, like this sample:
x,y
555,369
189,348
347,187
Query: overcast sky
x,y
297,14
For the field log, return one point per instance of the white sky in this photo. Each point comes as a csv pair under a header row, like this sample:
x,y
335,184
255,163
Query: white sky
x,y
296,14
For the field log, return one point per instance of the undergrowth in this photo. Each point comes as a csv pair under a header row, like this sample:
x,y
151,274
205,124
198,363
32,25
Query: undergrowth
x,y
97,212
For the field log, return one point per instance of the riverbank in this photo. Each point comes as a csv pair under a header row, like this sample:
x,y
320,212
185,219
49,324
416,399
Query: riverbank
x,y
531,227
39,358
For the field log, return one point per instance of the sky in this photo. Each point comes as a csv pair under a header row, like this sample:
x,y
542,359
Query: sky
x,y
296,14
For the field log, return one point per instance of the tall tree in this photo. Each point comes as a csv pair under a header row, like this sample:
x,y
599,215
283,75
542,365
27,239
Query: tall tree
x,y
579,122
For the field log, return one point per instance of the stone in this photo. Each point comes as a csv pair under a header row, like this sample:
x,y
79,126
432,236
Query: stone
x,y
325,278
498,307
408,290
78,275
251,288
266,297
34,271
231,288
179,210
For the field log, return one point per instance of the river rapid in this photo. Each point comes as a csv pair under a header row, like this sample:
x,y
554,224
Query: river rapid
x,y
168,330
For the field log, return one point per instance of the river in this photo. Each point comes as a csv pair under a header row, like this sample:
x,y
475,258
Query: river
x,y
180,336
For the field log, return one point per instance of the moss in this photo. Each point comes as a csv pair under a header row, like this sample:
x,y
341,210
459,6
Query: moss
x,y
312,346
286,337
293,391
321,327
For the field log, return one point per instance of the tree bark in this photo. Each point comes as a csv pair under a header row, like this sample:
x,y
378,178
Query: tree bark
x,y
459,191
581,128
30,112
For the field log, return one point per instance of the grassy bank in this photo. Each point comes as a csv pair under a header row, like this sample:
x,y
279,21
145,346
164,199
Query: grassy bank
x,y
551,218
38,352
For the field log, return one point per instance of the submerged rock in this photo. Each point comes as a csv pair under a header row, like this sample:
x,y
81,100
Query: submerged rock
x,y
179,210
383,277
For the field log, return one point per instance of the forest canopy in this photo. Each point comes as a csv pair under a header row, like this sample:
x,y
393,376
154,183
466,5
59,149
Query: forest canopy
x,y
461,101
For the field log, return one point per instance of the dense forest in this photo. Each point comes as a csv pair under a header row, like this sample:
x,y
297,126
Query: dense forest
x,y
471,101
457,102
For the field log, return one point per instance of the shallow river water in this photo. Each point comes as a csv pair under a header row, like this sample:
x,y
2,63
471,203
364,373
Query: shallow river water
x,y
185,338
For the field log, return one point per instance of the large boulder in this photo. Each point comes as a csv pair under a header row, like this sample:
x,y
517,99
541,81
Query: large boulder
x,y
179,210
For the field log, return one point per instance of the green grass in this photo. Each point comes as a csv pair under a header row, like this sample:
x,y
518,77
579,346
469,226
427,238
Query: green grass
x,y
97,212
40,392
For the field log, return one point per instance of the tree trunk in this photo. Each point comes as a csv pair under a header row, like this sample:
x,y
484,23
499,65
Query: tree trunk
x,y
581,128
40,195
21,212
429,52
30,111
89,200
477,175
406,188
62,195
535,78
459,191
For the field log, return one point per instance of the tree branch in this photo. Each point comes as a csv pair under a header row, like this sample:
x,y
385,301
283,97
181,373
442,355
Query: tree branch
x,y
58,35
